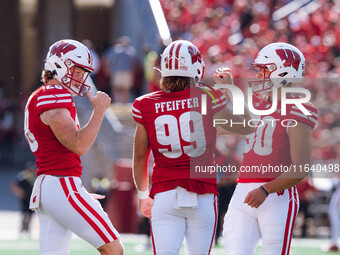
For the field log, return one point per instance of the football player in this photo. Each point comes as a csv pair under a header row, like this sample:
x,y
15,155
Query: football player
x,y
182,201
334,218
53,133
265,202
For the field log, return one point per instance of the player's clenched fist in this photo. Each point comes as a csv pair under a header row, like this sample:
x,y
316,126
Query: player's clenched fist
x,y
101,101
223,75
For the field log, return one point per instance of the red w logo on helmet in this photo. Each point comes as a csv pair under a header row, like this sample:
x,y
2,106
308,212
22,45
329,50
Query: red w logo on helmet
x,y
62,48
290,57
195,55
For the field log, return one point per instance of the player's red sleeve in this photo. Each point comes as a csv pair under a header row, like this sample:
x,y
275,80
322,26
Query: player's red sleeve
x,y
52,99
136,111
293,112
219,101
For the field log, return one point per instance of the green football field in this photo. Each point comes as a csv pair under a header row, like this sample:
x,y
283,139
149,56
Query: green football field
x,y
80,247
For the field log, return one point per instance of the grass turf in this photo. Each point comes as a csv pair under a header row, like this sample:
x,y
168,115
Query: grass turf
x,y
80,247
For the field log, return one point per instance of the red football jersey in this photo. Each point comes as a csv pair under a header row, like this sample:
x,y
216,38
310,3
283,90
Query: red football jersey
x,y
52,157
267,150
181,137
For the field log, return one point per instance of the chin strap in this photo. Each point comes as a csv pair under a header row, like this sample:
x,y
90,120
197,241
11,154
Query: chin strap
x,y
159,70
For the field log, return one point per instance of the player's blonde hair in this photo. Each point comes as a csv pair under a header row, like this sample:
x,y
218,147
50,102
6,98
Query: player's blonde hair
x,y
46,76
176,83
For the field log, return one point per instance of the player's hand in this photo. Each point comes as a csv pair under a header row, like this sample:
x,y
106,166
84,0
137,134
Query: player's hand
x,y
255,198
223,75
97,196
101,101
145,207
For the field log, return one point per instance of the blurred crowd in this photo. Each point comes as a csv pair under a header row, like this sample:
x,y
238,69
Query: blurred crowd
x,y
231,33
228,33
8,133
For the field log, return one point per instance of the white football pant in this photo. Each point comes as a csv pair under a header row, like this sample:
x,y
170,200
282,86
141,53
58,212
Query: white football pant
x,y
273,221
67,207
334,216
169,226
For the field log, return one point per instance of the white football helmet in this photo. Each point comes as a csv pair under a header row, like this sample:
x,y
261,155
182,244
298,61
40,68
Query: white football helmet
x,y
182,58
65,54
285,63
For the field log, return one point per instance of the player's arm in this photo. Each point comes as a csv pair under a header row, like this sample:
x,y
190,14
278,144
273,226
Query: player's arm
x,y
300,152
227,123
141,152
65,128
224,118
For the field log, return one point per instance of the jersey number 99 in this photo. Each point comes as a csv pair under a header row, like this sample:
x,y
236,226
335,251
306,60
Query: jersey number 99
x,y
189,127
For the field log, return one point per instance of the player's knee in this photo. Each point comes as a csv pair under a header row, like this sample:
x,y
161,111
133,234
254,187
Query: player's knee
x,y
274,241
235,246
113,248
273,236
119,250
272,245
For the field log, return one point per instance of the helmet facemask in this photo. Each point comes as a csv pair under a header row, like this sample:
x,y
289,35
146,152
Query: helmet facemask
x,y
264,84
69,79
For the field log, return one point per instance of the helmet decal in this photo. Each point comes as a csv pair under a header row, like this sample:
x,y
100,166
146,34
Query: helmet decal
x,y
170,55
166,61
62,48
195,55
290,57
174,56
177,54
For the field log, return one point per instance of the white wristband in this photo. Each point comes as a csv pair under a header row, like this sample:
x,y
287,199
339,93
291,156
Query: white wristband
x,y
143,194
